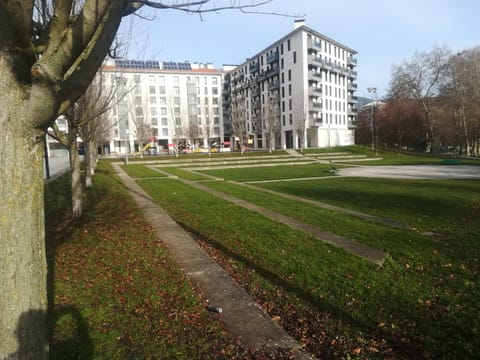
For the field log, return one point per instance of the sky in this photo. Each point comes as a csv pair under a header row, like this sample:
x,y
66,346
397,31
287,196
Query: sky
x,y
384,33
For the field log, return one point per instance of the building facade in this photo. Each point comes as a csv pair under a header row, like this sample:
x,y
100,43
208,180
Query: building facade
x,y
163,103
298,92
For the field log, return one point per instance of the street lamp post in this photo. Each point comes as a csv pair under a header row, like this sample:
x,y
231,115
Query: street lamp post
x,y
126,146
373,90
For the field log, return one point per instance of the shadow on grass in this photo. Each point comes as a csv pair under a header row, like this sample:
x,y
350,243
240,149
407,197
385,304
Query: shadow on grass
x,y
77,343
414,346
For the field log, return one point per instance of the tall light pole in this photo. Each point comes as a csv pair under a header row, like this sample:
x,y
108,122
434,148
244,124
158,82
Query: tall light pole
x,y
373,90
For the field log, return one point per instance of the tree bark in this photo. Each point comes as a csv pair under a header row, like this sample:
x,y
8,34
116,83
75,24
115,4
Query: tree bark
x,y
23,268
77,190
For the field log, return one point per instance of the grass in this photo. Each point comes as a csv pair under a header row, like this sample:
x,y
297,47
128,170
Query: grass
x,y
141,171
271,172
114,290
422,303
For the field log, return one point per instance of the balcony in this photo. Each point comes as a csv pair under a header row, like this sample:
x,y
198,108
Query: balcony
x,y
316,45
314,76
351,61
352,112
273,72
256,91
315,106
272,58
254,67
352,99
352,86
315,121
314,91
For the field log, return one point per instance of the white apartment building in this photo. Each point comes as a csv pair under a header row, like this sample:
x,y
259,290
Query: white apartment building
x,y
163,103
299,91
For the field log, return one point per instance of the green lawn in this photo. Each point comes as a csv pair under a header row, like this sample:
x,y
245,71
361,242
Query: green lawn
x,y
119,295
114,291
272,172
421,303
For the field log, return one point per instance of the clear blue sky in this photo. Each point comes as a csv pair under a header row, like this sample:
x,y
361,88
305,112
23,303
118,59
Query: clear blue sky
x,y
383,32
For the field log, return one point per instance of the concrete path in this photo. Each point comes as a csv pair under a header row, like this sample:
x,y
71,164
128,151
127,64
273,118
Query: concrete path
x,y
241,316
467,172
353,247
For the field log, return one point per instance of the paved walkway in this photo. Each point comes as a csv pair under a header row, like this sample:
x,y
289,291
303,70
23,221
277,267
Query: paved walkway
x,y
466,172
241,316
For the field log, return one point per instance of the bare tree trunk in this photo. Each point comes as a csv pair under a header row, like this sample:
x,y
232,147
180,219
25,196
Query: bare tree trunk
x,y
23,267
465,131
77,191
89,161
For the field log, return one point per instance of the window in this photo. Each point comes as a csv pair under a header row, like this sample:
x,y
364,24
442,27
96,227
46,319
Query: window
x,y
215,91
154,121
176,101
161,80
136,79
176,90
163,101
163,111
153,111
153,100
205,90
175,80
137,90
161,90
283,120
289,75
294,57
281,49
288,44
291,119
215,101
151,79
164,131
214,81
290,90
290,104
205,80
138,100
164,122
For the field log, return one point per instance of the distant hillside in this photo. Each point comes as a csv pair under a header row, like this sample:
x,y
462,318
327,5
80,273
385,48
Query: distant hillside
x,y
362,101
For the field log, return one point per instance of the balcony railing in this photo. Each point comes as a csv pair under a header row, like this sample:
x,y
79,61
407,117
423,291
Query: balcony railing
x,y
314,91
351,61
352,86
315,106
315,121
273,72
352,99
317,45
272,57
254,67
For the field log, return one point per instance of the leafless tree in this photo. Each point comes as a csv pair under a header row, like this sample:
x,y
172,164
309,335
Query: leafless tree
x,y
272,120
239,121
49,53
94,106
421,78
300,113
462,92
